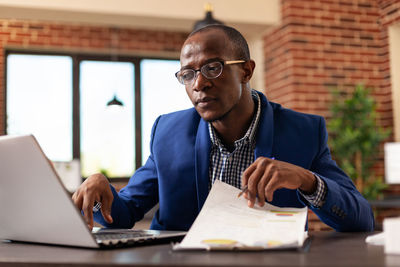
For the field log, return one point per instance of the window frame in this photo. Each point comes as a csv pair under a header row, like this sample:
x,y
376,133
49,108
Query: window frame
x,y
77,58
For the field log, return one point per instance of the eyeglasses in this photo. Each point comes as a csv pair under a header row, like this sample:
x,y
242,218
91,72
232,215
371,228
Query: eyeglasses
x,y
210,70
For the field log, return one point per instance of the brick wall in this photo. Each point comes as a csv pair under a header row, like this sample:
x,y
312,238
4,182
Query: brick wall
x,y
330,43
389,12
44,36
325,44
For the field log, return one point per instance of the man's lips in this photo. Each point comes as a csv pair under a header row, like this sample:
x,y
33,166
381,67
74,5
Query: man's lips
x,y
205,101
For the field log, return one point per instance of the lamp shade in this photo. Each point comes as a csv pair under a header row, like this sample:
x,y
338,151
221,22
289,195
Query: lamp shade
x,y
115,102
208,19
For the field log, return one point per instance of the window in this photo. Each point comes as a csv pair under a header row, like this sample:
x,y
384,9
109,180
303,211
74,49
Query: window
x,y
160,94
107,132
39,101
62,100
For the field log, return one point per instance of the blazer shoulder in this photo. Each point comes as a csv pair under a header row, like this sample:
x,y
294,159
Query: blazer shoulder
x,y
178,123
286,115
180,117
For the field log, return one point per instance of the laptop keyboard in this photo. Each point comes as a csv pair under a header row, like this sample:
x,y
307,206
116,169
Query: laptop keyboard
x,y
128,236
105,236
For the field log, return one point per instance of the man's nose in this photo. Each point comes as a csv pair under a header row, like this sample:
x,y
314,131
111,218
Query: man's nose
x,y
200,82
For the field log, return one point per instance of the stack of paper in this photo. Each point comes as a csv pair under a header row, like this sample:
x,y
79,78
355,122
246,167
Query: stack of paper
x,y
392,166
226,222
391,228
389,238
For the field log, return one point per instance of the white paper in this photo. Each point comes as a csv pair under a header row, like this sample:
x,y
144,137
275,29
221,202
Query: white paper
x,y
391,228
376,239
226,222
392,163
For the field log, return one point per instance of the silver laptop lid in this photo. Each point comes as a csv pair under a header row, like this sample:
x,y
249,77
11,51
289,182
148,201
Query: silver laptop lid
x,y
34,205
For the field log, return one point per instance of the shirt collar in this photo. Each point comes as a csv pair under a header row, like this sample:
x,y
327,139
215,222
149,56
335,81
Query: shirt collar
x,y
251,131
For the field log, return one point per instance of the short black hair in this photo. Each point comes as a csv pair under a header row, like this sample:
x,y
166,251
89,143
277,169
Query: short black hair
x,y
239,43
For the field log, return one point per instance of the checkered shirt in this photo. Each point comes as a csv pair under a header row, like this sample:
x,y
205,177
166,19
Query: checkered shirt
x,y
228,166
316,199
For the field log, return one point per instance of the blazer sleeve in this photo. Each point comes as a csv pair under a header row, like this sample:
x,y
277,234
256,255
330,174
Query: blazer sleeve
x,y
137,197
344,209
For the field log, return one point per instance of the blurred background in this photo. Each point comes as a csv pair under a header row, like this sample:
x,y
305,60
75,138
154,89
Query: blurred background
x,y
88,78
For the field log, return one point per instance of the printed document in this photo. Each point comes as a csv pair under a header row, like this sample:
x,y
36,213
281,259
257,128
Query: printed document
x,y
226,222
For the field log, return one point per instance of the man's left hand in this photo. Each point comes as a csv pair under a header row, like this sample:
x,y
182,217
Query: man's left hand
x,y
266,175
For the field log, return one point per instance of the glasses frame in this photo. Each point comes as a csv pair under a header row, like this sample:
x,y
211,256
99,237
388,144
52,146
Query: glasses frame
x,y
196,71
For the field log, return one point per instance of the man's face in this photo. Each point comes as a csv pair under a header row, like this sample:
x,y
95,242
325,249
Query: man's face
x,y
212,98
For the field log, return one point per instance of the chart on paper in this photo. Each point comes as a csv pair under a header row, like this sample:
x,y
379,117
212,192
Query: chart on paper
x,y
226,221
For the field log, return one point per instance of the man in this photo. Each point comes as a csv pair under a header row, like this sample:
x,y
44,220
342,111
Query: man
x,y
233,134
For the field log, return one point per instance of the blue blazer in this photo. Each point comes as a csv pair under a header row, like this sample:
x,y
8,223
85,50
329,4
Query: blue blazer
x,y
176,173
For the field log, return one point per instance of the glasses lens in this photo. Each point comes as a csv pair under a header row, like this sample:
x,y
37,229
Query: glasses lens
x,y
212,70
186,76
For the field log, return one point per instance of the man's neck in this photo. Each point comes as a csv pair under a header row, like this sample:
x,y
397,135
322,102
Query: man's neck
x,y
235,125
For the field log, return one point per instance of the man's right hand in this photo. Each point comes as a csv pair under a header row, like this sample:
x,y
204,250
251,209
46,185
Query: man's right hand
x,y
96,188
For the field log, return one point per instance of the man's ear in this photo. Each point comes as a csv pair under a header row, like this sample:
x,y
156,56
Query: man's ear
x,y
248,68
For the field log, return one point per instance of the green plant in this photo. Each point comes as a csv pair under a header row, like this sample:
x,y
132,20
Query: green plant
x,y
104,172
355,137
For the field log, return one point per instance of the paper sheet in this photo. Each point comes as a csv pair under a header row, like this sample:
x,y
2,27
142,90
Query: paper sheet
x,y
226,222
376,239
392,166
391,229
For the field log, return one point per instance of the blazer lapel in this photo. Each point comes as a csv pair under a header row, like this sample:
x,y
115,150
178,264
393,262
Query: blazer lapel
x,y
202,162
265,131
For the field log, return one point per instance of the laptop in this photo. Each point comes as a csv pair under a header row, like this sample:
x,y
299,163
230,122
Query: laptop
x,y
36,207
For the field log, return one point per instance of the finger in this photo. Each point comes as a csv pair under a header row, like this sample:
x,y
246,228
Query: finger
x,y
267,175
78,200
272,185
252,189
87,209
251,192
74,196
251,200
246,174
260,193
254,179
106,208
261,189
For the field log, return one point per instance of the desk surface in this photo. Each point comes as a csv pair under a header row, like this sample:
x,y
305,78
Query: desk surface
x,y
325,249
